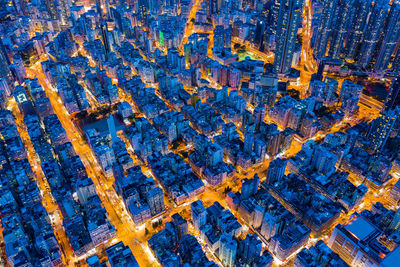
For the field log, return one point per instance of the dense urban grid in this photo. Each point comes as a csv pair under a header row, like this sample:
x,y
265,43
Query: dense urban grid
x,y
199,133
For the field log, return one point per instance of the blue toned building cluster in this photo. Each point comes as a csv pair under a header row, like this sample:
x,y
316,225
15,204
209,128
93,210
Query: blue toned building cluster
x,y
203,117
117,255
317,255
316,165
26,225
173,245
145,139
142,198
121,255
353,31
315,210
175,176
279,229
207,161
84,219
175,127
199,132
221,232
369,237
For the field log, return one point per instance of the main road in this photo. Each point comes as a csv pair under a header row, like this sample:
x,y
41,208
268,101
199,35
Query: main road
x,y
117,214
307,58
48,200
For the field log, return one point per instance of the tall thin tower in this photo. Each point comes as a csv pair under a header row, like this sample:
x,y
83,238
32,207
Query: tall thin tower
x,y
287,27
362,9
345,11
392,35
373,32
393,98
325,28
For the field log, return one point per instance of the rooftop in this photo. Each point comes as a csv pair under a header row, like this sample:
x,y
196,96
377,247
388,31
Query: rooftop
x,y
360,228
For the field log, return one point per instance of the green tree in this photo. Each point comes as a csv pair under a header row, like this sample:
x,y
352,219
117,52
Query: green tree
x,y
227,190
175,145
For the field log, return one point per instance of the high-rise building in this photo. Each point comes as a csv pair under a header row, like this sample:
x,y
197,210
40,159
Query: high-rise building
x,y
349,105
24,103
276,170
274,141
4,66
308,126
324,161
108,10
274,14
317,89
19,68
218,37
198,214
325,28
51,9
396,63
269,225
248,141
373,32
286,33
249,248
324,91
320,72
259,32
294,119
362,9
364,239
318,255
227,250
155,200
111,128
381,127
213,6
393,98
395,224
344,15
180,225
143,10
258,115
64,11
222,37
106,38
249,186
331,89
394,195
169,4
389,42
121,255
350,89
20,6
286,139
228,37
98,7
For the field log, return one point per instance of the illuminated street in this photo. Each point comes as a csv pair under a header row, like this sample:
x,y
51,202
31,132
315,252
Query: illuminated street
x,y
120,219
199,133
47,198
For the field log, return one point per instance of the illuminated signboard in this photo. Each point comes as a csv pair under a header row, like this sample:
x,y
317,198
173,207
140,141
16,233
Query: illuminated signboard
x,y
21,98
161,39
